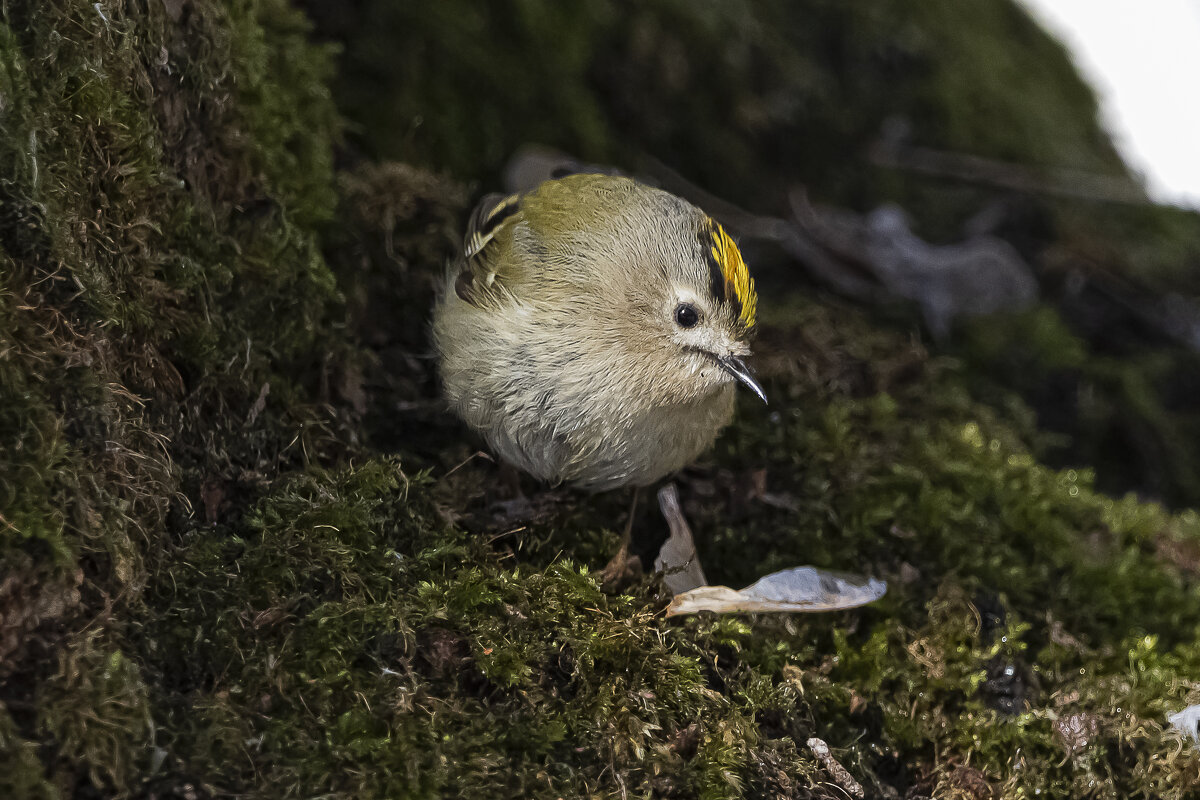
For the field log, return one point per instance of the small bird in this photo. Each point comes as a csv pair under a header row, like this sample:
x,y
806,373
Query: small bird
x,y
594,331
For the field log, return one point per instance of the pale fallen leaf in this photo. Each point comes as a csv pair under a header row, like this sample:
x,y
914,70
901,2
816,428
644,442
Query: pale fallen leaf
x,y
677,560
798,589
1187,721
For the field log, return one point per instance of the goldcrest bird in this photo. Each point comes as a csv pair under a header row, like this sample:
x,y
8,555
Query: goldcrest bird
x,y
595,329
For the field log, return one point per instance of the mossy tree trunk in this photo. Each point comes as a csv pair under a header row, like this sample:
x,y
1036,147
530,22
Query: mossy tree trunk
x,y
244,552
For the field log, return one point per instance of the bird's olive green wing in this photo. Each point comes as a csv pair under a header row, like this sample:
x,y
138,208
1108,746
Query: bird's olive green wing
x,y
488,237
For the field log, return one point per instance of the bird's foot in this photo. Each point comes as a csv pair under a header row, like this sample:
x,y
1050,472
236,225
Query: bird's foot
x,y
622,570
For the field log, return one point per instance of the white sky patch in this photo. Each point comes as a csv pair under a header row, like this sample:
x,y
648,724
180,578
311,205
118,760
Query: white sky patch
x,y
1143,58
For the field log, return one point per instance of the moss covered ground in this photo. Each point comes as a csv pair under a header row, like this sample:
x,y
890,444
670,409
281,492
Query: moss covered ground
x,y
244,552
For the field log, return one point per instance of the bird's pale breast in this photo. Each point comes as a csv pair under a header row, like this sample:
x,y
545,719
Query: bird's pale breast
x,y
567,416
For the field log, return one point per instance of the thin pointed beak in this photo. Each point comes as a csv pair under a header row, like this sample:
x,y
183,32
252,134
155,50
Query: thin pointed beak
x,y
736,367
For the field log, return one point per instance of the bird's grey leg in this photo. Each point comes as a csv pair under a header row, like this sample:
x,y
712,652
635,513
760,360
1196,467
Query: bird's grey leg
x,y
628,535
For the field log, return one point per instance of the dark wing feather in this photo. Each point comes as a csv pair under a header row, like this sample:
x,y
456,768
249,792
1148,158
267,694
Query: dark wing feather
x,y
491,215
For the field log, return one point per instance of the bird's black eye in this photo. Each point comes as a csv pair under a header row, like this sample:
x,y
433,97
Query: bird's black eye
x,y
686,315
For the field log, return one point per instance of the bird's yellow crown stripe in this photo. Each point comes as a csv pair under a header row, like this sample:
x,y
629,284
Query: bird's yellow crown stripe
x,y
738,283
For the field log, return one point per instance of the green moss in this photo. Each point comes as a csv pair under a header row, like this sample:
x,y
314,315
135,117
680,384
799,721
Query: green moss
x,y
379,639
376,640
96,711
284,97
159,268
1115,403
21,771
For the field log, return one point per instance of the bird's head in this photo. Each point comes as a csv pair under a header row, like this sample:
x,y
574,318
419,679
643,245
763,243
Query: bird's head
x,y
644,276
706,307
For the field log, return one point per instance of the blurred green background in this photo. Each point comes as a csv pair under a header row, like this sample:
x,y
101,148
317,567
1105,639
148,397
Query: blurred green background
x,y
754,100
